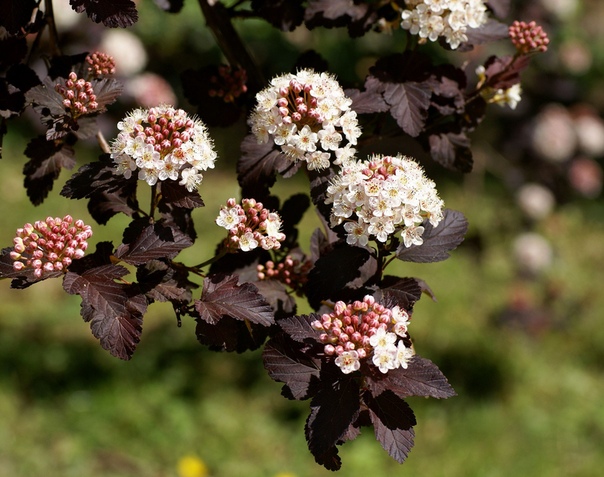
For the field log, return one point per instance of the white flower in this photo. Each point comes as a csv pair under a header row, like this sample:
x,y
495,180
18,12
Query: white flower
x,y
228,217
383,339
247,242
306,113
403,355
381,196
348,361
385,359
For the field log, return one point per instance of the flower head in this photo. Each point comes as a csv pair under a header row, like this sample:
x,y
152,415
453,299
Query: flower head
x,y
78,95
383,195
291,271
365,331
163,143
528,37
101,65
50,245
250,225
449,19
308,116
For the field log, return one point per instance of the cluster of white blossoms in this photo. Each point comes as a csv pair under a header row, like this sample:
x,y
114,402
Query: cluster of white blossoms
x,y
449,19
309,117
503,97
250,225
383,195
365,329
163,143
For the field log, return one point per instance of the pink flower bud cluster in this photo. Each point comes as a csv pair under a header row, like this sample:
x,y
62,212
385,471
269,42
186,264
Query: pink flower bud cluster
x,y
163,143
290,271
101,64
250,225
309,117
381,196
229,84
78,95
50,245
365,329
528,37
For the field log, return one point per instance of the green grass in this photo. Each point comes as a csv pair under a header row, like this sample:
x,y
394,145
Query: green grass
x,y
529,400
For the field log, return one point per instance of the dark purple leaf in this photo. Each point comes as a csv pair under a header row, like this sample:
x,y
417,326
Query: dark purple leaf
x,y
161,282
106,90
276,295
61,66
108,193
409,104
114,309
410,66
12,50
451,151
258,166
15,16
286,363
439,241
421,378
22,77
285,15
319,182
178,195
112,13
11,102
151,241
299,328
491,31
403,292
223,297
47,159
230,335
341,274
393,422
332,410
370,100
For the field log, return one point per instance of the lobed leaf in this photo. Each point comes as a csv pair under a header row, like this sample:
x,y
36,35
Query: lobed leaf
x,y
299,328
451,151
112,13
286,363
223,297
403,292
114,309
438,241
47,159
144,242
230,334
421,378
332,411
283,14
409,104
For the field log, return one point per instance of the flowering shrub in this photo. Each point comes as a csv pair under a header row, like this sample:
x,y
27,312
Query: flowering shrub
x,y
352,356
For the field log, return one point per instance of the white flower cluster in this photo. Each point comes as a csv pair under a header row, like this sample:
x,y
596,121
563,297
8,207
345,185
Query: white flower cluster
x,y
163,143
308,116
382,195
250,225
450,19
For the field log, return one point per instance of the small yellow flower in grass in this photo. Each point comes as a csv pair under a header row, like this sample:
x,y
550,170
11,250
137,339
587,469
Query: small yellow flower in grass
x,y
192,466
285,474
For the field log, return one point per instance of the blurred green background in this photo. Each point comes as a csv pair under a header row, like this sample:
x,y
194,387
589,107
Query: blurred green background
x,y
517,327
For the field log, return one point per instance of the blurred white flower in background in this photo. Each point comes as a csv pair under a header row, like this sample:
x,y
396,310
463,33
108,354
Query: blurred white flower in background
x,y
553,136
535,200
126,49
532,253
150,89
